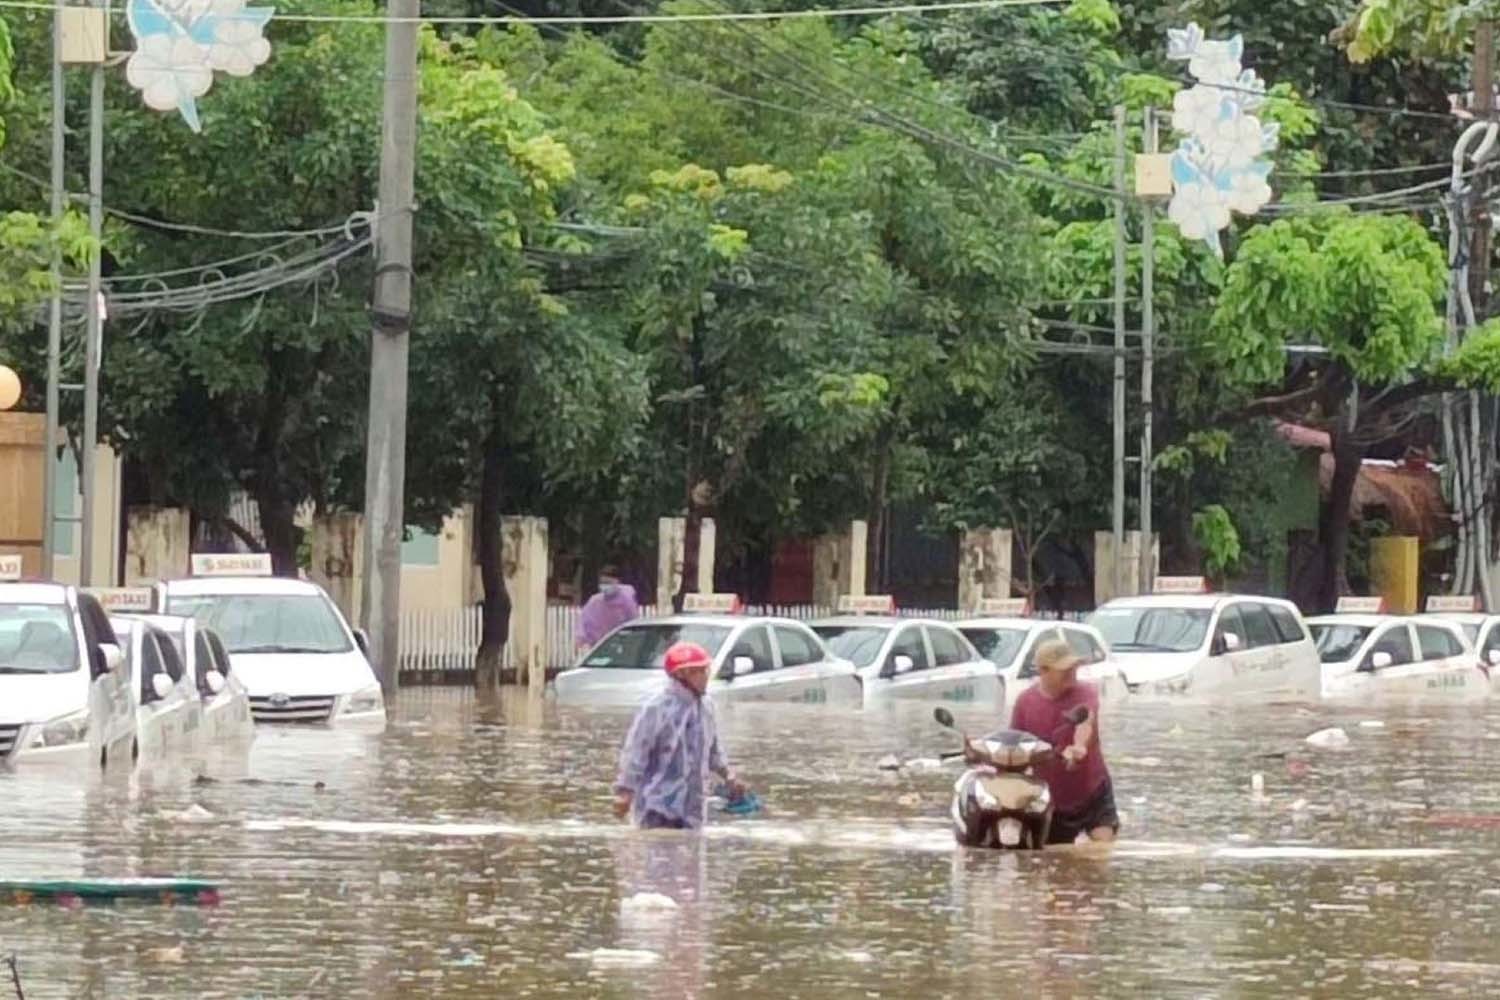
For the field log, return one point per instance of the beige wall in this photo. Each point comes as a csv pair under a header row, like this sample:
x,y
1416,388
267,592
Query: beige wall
x,y
106,556
446,585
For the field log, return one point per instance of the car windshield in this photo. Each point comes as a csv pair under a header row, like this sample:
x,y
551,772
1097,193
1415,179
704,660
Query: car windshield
x,y
642,647
1152,629
998,645
859,644
36,639
267,623
1339,643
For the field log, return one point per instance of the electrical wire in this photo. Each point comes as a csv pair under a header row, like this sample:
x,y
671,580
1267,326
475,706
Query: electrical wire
x,y
755,15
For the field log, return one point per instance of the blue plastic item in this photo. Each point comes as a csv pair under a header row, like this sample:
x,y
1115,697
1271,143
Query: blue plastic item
x,y
745,805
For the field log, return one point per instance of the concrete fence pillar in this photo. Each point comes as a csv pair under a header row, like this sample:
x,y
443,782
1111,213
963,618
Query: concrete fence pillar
x,y
984,566
158,544
1105,558
338,559
525,560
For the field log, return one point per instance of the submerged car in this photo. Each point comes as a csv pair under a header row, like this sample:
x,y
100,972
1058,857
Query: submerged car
x,y
1379,658
1011,644
754,659
1211,645
64,682
913,658
288,643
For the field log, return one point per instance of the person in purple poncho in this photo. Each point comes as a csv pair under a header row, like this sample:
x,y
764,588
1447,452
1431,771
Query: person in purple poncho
x,y
612,605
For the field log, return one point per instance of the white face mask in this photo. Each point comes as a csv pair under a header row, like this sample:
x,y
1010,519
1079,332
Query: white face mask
x,y
609,589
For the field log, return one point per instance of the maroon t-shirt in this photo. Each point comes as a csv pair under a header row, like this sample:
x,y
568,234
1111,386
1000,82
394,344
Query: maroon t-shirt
x,y
1045,718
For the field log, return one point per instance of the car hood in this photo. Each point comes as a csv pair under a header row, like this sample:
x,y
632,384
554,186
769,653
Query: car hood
x,y
1145,668
42,697
301,674
608,685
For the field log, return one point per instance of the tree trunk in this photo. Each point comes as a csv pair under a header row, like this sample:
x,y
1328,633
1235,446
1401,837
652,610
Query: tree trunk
x,y
593,550
1333,525
277,526
875,575
495,623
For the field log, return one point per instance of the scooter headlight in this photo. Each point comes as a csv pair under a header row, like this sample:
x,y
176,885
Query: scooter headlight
x,y
63,731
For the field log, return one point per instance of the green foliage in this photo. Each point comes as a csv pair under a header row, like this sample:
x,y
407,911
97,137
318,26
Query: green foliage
x,y
1216,534
1367,288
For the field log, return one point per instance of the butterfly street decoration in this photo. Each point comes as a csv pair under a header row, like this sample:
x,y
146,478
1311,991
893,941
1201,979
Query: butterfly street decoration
x,y
1220,166
179,44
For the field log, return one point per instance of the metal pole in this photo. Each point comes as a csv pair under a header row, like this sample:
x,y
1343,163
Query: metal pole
x,y
1119,398
385,457
1148,357
54,310
95,332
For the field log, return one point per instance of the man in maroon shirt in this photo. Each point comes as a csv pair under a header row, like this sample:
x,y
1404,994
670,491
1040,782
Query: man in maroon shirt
x,y
1081,792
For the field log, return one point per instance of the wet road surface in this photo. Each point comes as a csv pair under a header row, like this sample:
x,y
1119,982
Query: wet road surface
x,y
468,852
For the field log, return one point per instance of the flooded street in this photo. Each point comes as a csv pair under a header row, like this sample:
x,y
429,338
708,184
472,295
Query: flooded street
x,y
468,852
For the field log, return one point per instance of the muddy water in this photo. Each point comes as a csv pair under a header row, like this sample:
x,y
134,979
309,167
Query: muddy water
x,y
466,853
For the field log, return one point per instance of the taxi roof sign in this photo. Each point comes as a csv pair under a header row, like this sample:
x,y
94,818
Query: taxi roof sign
x,y
712,604
123,598
1180,585
231,564
10,567
1360,606
1006,607
1452,603
867,604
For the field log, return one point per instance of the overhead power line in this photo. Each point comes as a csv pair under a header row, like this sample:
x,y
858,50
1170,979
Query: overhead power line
x,y
749,15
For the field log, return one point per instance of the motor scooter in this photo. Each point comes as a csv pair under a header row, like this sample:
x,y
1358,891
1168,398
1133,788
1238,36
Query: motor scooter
x,y
999,802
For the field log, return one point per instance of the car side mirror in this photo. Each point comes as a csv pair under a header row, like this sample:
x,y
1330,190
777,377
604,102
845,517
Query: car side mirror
x,y
1232,643
1377,661
362,640
904,664
107,658
743,665
1493,656
215,681
161,686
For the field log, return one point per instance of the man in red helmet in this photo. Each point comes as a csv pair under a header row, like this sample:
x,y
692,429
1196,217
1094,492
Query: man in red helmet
x,y
672,747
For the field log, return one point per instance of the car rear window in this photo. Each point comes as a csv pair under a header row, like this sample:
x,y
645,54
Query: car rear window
x,y
642,647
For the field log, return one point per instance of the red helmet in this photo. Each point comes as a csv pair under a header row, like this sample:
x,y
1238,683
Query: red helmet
x,y
681,655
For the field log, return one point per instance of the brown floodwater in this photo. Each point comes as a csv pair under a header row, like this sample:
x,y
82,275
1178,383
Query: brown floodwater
x,y
468,852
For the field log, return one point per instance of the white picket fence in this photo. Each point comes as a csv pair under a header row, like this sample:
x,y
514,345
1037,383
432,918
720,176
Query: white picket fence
x,y
436,643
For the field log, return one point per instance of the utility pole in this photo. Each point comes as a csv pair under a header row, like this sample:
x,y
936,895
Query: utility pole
x,y
95,328
54,311
1482,249
1148,356
1119,386
385,456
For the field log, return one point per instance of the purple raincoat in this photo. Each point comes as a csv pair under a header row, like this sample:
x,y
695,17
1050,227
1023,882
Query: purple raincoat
x,y
605,611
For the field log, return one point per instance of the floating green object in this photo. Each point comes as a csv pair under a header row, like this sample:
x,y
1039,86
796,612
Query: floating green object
x,y
75,892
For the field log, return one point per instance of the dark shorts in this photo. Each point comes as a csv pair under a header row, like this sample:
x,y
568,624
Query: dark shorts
x,y
656,821
1100,811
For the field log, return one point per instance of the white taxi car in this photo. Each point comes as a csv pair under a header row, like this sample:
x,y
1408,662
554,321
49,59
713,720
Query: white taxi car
x,y
168,718
754,659
1010,643
1481,629
210,681
1210,645
288,644
1379,658
913,658
64,684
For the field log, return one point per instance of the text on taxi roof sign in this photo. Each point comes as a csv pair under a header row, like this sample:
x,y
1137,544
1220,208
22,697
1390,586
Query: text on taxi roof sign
x,y
123,598
231,564
713,604
1006,607
1180,585
867,604
1360,606
1452,603
10,567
